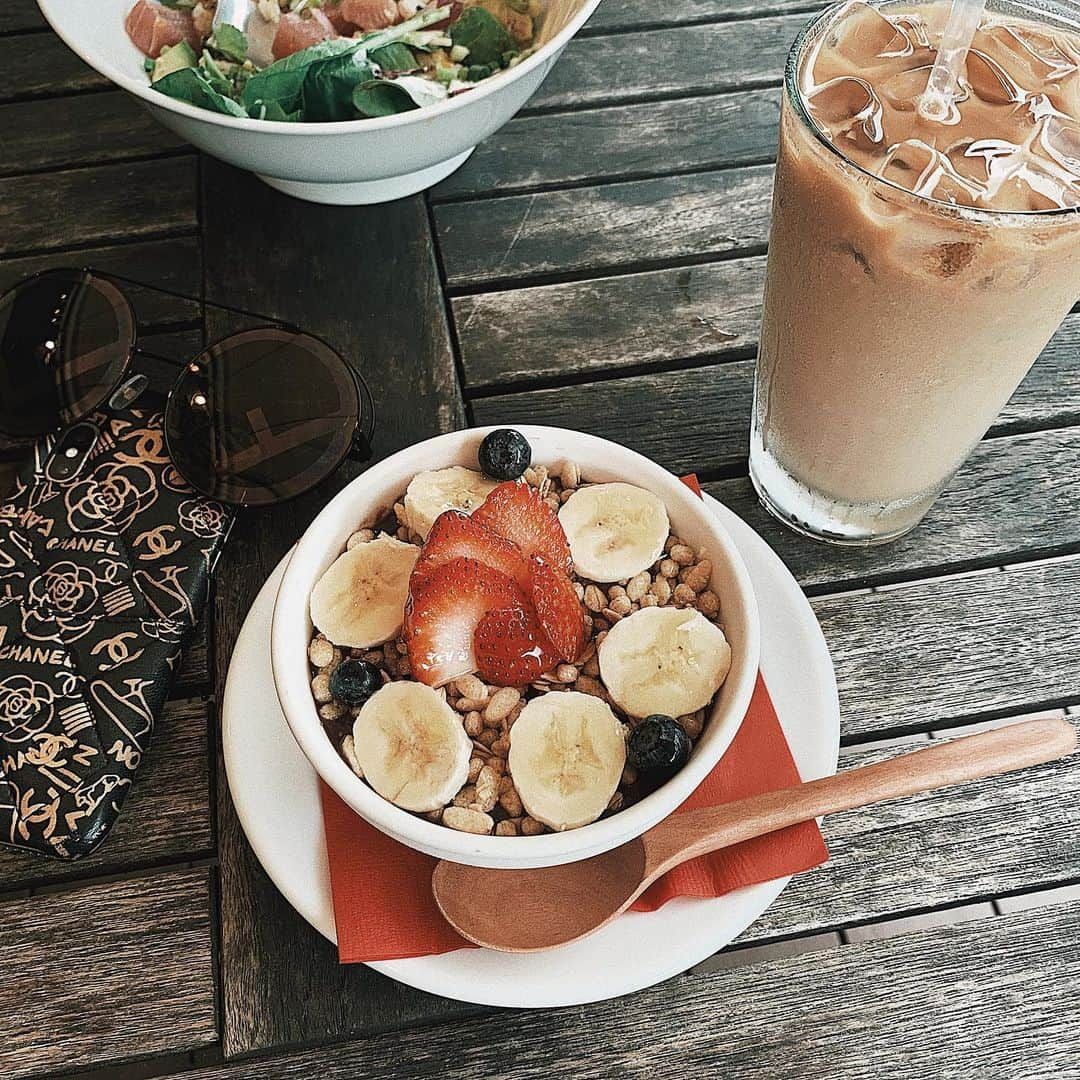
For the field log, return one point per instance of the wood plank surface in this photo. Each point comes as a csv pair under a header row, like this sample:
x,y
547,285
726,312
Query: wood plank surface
x,y
922,655
627,15
173,263
107,971
669,63
918,1006
698,420
90,206
1009,834
618,226
599,327
52,133
620,142
166,819
20,15
282,983
41,65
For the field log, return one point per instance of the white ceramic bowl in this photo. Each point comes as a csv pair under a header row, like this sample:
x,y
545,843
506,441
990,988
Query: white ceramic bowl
x,y
600,461
351,162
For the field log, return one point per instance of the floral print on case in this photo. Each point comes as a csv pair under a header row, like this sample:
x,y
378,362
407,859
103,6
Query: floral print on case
x,y
101,577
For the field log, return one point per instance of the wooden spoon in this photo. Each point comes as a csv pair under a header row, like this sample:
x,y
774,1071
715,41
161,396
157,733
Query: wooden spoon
x,y
530,910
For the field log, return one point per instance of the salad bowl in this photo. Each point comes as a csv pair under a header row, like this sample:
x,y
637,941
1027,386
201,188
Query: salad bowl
x,y
347,162
600,461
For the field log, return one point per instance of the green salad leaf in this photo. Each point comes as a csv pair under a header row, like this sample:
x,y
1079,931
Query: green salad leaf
x,y
189,84
394,57
328,88
282,83
483,35
230,42
384,97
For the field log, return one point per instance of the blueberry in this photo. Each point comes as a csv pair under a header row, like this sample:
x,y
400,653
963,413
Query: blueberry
x,y
504,454
354,681
658,745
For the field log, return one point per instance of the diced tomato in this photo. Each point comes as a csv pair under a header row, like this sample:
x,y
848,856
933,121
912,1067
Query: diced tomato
x,y
370,14
338,20
153,27
299,31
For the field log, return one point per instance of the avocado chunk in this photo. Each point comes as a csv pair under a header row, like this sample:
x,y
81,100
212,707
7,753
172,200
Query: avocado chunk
x,y
174,59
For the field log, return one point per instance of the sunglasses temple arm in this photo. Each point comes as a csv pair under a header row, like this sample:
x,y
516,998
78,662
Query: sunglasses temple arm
x,y
284,323
361,449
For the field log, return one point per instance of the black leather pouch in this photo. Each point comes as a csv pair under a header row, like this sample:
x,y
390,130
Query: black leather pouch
x,y
106,556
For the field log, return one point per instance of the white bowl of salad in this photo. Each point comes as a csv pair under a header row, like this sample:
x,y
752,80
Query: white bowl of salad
x,y
333,101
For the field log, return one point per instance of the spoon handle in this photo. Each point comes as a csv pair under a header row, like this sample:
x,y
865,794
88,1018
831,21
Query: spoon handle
x,y
697,832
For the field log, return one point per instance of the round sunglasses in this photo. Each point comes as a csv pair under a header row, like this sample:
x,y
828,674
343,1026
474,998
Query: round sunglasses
x,y
257,418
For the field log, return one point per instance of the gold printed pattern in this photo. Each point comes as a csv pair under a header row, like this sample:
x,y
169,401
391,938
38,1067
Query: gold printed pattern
x,y
90,634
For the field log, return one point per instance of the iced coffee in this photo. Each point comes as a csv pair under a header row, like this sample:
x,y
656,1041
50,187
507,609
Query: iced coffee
x,y
916,268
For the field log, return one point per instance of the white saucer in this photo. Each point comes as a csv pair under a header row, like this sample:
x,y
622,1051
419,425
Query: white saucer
x,y
276,795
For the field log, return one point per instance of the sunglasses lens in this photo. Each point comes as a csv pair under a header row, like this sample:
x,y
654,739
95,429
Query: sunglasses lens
x,y
261,417
65,341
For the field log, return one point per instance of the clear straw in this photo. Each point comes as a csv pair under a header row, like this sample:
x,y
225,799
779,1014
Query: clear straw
x,y
936,101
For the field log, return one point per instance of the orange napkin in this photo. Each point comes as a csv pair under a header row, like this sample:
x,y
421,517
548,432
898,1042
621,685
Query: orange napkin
x,y
382,890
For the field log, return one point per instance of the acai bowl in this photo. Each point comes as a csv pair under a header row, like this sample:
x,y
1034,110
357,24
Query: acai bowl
x,y
369,160
566,827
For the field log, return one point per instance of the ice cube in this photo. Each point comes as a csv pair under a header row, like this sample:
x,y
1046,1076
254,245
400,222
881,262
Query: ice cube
x,y
989,81
849,108
1030,56
1060,138
921,169
903,90
968,164
862,33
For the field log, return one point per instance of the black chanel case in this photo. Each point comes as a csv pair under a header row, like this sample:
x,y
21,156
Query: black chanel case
x,y
106,556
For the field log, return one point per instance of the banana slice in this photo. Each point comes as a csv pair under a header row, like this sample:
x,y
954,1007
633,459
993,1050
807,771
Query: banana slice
x,y
430,493
615,530
567,752
664,660
360,600
411,746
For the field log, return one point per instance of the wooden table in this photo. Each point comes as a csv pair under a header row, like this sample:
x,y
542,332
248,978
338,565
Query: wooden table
x,y
597,264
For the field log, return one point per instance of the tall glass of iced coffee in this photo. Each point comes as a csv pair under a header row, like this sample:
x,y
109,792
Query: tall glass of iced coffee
x,y
916,268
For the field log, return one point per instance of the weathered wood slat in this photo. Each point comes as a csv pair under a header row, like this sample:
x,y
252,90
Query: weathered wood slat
x,y
683,60
917,656
281,982
194,672
49,68
20,15
1036,477
105,972
52,133
591,327
620,142
172,264
166,818
918,1006
604,228
1009,834
87,206
635,14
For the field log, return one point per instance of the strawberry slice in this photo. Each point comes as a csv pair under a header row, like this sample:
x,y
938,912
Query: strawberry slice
x,y
517,512
511,649
558,609
456,536
442,613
